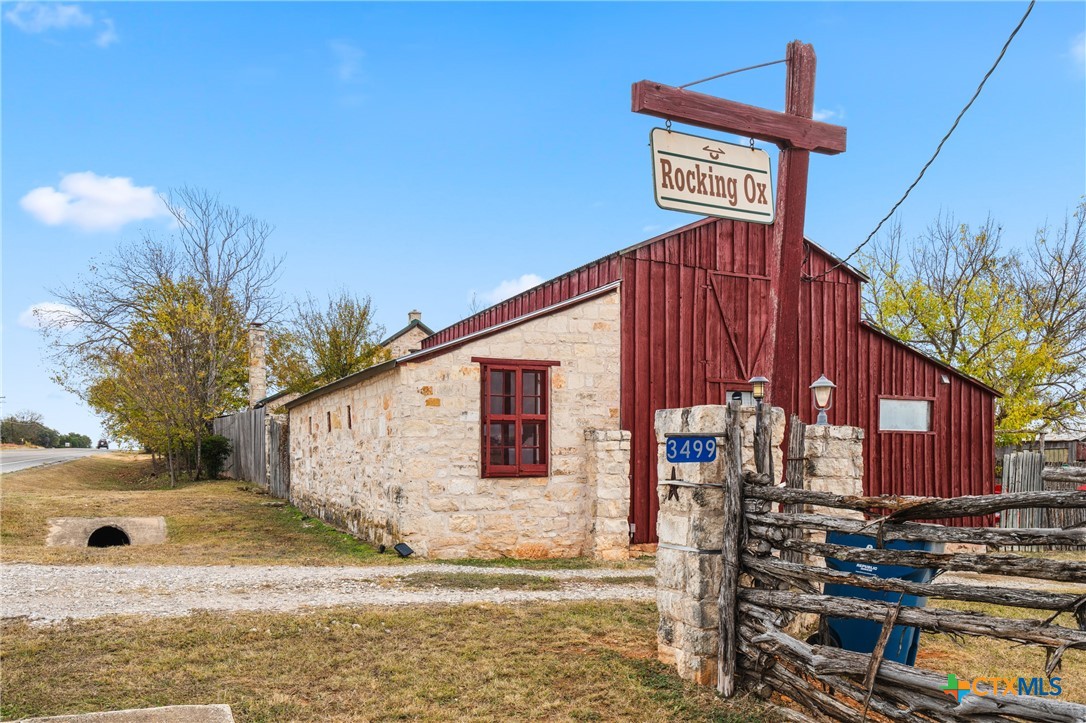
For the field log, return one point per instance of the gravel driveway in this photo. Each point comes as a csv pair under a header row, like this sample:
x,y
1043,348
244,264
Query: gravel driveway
x,y
48,593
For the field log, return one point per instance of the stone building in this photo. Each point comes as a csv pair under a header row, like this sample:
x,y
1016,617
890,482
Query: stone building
x,y
409,338
395,453
527,429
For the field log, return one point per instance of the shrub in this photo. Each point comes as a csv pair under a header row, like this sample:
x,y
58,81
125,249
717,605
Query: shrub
x,y
214,448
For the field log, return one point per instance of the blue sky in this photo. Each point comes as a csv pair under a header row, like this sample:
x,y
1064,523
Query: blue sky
x,y
422,152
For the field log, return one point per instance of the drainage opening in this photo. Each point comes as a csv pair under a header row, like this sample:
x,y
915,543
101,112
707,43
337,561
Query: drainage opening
x,y
108,536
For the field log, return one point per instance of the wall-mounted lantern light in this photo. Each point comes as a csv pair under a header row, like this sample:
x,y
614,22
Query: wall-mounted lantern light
x,y
758,385
823,397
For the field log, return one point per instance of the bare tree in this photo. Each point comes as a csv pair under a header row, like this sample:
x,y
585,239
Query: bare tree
x,y
215,247
1053,284
1015,320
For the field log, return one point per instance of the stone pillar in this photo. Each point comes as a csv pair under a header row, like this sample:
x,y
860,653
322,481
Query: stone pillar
x,y
608,493
690,527
835,464
258,373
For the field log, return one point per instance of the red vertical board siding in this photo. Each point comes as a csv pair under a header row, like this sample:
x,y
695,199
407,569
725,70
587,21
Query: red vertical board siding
x,y
579,281
674,345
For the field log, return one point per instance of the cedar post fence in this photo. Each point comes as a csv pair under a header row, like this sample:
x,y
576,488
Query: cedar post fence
x,y
767,580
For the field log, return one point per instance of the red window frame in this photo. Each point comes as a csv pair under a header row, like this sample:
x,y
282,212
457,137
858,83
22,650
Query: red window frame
x,y
517,417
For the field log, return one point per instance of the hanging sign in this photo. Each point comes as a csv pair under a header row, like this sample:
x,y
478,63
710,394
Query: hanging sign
x,y
711,178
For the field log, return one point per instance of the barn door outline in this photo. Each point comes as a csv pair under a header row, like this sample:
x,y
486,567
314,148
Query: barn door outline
x,y
745,325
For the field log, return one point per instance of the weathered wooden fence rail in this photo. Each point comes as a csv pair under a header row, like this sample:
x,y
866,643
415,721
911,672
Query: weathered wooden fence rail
x,y
771,575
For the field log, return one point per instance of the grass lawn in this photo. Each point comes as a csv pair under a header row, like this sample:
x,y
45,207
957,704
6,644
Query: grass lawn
x,y
971,657
553,661
209,523
222,522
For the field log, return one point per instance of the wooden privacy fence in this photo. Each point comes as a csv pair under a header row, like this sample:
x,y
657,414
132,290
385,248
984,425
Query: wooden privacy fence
x,y
260,449
278,456
248,455
762,594
1026,472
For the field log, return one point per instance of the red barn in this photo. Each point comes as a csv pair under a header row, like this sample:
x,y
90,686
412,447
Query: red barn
x,y
697,316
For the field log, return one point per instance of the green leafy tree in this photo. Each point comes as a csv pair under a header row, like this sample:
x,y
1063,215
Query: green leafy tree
x,y
75,440
26,427
154,338
320,344
154,391
1015,321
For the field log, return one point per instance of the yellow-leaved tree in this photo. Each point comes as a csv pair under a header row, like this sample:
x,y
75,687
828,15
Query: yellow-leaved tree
x,y
319,344
1013,318
154,336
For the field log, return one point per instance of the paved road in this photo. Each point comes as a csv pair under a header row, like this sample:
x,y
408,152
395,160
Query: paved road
x,y
13,460
47,593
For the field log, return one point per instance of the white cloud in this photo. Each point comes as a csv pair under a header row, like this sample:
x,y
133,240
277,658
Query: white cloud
x,y
40,17
826,115
652,228
92,202
348,60
49,314
509,288
1078,51
108,36
43,17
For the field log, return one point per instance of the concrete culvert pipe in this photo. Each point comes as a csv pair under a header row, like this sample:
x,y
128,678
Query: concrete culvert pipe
x,y
105,531
108,536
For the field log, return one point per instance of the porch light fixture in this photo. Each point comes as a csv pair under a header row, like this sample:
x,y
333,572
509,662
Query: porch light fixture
x,y
822,389
758,388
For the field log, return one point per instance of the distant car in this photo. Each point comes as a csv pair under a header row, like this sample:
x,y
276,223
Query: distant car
x,y
103,444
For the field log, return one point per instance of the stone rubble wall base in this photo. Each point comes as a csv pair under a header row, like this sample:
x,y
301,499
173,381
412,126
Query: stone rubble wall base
x,y
690,524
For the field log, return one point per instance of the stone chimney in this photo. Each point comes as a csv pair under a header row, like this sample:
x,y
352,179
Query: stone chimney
x,y
258,373
415,315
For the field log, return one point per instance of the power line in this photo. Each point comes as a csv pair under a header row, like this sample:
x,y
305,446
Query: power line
x,y
939,148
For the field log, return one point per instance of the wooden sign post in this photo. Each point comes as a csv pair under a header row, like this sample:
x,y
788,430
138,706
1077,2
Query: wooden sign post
x,y
797,135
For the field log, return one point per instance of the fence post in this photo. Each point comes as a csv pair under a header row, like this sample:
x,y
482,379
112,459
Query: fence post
x,y
729,551
794,466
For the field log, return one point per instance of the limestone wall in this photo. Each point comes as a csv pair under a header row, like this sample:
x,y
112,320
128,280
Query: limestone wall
x,y
690,527
408,466
410,341
608,468
834,464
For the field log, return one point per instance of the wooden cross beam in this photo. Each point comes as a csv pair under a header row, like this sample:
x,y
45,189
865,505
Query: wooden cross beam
x,y
797,135
727,116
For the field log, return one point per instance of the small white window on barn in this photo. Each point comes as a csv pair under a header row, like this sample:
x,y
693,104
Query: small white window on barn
x,y
904,415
